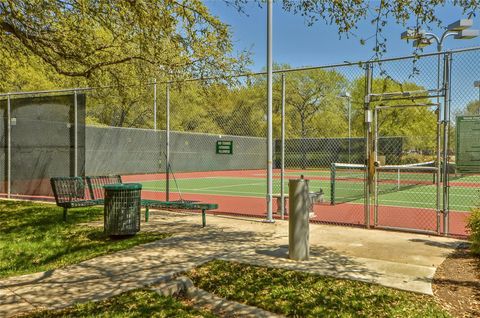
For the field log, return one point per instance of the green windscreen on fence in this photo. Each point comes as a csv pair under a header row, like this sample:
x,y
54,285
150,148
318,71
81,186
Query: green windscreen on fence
x,y
468,146
42,141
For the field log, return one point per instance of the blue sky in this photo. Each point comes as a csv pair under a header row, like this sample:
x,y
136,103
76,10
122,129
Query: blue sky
x,y
297,44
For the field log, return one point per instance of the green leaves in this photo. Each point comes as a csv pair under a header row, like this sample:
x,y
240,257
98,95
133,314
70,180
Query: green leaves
x,y
80,38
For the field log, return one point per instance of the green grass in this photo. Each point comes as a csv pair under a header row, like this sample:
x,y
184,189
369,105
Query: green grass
x,y
136,303
35,238
299,294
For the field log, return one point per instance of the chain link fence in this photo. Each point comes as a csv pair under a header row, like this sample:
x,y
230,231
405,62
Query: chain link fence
x,y
206,140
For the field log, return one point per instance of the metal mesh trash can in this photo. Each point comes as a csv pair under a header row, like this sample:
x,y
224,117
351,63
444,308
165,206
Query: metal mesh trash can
x,y
122,208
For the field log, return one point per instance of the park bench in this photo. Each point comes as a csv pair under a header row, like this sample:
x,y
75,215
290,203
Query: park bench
x,y
71,192
68,195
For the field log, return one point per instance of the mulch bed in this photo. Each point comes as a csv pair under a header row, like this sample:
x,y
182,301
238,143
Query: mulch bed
x,y
456,284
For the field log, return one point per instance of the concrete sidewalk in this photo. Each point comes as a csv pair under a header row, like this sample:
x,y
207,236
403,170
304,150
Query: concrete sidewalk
x,y
400,260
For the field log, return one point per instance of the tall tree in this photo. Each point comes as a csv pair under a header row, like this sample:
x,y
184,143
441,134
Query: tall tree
x,y
310,97
473,108
416,124
80,37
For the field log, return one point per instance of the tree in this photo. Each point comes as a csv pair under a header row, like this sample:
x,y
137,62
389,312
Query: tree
x,y
473,108
310,97
123,44
79,38
416,124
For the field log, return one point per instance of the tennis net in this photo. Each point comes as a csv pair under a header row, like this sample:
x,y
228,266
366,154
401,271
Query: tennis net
x,y
347,181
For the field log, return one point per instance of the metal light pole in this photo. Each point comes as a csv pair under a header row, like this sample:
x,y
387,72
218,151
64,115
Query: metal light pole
x,y
269,113
460,30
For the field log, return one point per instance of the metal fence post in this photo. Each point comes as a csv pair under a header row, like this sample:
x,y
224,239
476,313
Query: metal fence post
x,y
269,112
75,132
282,151
167,144
368,141
9,147
439,146
375,180
446,115
155,104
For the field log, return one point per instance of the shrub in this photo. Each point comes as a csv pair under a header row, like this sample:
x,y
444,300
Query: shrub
x,y
474,228
409,158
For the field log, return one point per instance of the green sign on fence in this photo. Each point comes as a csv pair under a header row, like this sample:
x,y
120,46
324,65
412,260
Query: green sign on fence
x,y
224,147
468,143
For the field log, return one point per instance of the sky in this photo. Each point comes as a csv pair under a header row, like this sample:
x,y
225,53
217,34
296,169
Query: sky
x,y
297,44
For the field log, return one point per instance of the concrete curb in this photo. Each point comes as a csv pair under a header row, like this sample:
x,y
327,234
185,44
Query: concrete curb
x,y
202,299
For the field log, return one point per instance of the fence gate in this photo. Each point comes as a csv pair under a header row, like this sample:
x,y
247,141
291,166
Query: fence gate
x,y
405,192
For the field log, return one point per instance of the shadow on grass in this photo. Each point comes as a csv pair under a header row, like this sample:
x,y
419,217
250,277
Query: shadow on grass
x,y
35,237
302,294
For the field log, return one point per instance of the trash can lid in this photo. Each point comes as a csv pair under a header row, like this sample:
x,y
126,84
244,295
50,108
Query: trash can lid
x,y
123,186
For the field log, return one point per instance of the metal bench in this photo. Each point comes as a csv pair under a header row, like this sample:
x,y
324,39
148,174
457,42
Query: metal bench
x,y
96,183
71,192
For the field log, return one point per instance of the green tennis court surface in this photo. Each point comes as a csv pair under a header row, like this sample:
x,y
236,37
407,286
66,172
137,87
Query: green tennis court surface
x,y
462,198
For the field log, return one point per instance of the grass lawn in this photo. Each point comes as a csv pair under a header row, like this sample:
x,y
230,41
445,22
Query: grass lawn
x,y
35,238
136,303
298,294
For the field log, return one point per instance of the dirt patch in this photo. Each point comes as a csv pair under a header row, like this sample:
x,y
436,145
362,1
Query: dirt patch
x,y
456,284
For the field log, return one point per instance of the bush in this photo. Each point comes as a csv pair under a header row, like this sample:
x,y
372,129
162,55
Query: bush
x,y
410,158
474,228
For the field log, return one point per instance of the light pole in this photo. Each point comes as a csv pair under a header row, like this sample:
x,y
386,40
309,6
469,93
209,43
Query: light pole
x,y
460,30
348,97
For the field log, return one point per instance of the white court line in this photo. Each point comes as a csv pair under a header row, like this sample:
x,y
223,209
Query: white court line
x,y
257,194
430,208
160,180
423,203
231,186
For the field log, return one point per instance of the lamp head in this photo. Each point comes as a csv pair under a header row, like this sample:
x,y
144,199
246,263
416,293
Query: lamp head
x,y
412,34
460,25
421,42
466,34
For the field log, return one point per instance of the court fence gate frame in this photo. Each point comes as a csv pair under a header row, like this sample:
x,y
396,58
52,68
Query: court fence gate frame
x,y
303,156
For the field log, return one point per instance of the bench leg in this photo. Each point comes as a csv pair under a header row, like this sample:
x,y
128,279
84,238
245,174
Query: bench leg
x,y
147,214
65,214
204,218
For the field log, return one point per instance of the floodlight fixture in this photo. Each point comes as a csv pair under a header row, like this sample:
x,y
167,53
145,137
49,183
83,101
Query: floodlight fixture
x,y
422,42
460,25
466,34
412,34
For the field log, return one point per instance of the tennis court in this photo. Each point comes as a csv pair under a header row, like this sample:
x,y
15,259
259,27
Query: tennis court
x,y
244,191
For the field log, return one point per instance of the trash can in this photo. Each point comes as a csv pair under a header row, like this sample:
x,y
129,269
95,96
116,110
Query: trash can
x,y
122,208
298,222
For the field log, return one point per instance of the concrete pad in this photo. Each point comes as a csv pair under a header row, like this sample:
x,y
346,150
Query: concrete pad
x,y
400,260
12,304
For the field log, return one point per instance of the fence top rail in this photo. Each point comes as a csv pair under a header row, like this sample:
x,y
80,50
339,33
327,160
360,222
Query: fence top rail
x,y
247,74
406,93
406,105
